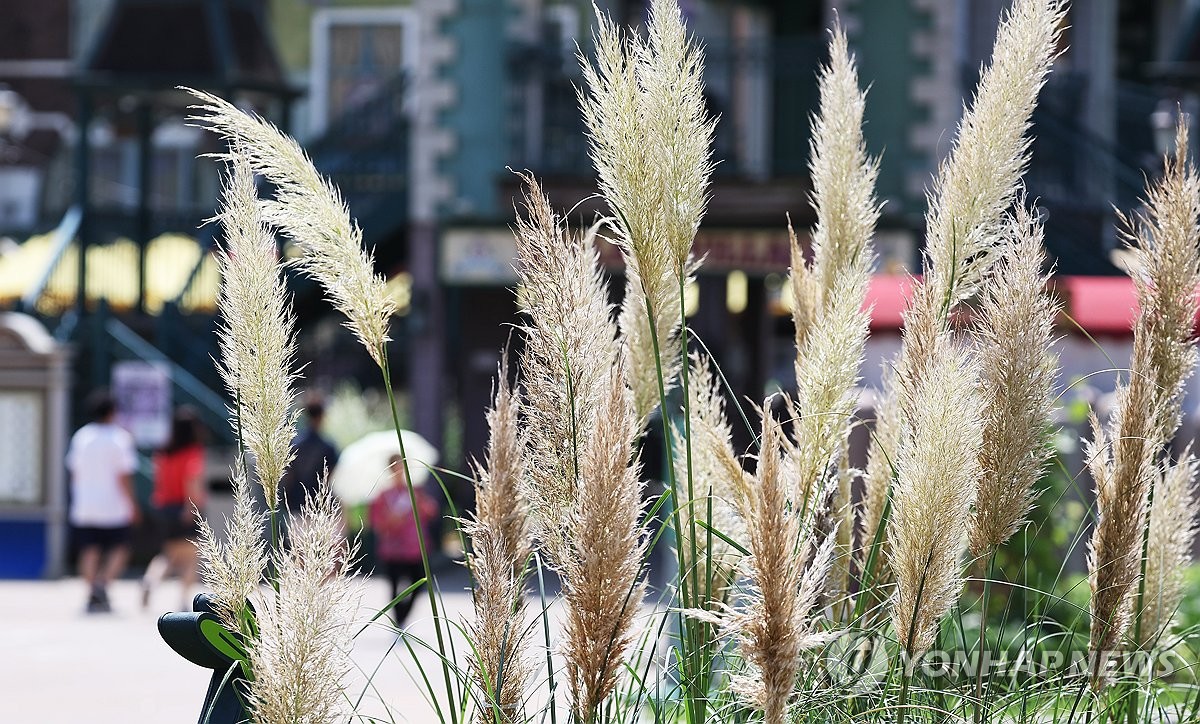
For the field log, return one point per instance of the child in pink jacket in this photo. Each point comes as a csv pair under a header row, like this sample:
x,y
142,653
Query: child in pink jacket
x,y
397,540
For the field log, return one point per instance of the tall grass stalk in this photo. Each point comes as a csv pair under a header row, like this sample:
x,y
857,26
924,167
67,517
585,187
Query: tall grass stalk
x,y
308,208
1124,454
650,141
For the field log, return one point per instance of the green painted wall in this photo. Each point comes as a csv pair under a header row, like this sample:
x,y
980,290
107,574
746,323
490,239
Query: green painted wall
x,y
291,21
882,44
479,117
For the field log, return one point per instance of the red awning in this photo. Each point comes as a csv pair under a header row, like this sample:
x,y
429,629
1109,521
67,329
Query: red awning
x,y
1100,305
887,298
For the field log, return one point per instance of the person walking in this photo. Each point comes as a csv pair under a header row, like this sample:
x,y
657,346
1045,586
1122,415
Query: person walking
x,y
314,454
180,494
397,539
101,459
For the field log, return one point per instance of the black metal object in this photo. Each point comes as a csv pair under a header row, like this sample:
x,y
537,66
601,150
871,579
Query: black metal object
x,y
201,639
143,51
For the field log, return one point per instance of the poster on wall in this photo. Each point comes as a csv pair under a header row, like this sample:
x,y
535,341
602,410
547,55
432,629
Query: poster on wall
x,y
21,447
142,391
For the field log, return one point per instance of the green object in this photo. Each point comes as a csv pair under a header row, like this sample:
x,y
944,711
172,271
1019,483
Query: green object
x,y
201,639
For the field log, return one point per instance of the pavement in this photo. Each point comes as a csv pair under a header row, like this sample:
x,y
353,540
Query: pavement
x,y
59,664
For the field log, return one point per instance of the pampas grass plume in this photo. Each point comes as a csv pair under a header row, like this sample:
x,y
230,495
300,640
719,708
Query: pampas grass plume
x,y
1122,457
719,483
233,570
933,495
650,135
301,655
778,622
979,180
570,347
1014,336
500,552
1171,533
257,332
601,577
311,211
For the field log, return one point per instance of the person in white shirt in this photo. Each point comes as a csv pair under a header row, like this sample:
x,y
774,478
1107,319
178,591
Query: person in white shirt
x,y
102,459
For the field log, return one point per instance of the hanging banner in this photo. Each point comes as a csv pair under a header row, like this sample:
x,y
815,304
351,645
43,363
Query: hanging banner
x,y
142,391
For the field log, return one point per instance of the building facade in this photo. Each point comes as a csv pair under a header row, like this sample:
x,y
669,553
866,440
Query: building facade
x,y
417,108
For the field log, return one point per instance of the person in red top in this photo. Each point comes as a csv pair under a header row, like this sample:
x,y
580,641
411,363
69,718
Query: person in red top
x,y
179,493
397,540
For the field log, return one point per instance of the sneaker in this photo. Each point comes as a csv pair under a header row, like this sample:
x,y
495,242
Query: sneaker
x,y
98,603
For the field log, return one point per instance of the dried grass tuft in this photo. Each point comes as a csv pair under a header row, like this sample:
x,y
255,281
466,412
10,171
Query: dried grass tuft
x,y
1014,338
1122,456
500,554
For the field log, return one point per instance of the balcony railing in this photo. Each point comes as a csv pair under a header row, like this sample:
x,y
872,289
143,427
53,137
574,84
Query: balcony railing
x,y
1078,175
763,90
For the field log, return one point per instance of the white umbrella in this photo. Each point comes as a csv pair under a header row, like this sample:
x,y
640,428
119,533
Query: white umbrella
x,y
362,470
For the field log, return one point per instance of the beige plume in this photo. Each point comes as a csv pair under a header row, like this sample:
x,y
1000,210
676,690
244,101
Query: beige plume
x,y
500,553
570,348
1018,367
310,210
933,494
1123,456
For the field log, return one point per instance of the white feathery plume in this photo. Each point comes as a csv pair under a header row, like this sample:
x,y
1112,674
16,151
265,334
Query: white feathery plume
x,y
877,482
937,474
843,197
650,137
582,482
257,332
233,570
301,655
310,210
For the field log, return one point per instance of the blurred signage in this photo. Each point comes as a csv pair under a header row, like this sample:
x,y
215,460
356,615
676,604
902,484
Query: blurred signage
x,y
142,391
487,255
754,251
21,447
482,255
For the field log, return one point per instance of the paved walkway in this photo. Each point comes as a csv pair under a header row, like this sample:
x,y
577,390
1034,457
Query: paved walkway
x,y
59,665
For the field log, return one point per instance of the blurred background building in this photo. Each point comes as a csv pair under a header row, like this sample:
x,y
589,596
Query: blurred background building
x,y
415,109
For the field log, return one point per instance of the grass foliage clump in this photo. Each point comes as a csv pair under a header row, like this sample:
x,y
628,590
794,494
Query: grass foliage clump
x,y
804,589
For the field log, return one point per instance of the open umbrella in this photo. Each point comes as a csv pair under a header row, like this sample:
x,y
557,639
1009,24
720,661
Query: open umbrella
x,y
362,469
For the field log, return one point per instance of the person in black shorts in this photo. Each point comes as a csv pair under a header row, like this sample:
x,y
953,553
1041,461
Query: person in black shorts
x,y
102,459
